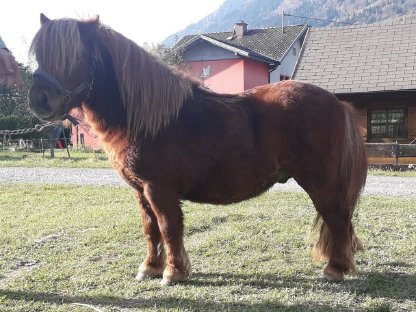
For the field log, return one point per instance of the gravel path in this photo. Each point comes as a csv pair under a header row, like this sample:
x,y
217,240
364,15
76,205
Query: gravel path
x,y
72,176
377,185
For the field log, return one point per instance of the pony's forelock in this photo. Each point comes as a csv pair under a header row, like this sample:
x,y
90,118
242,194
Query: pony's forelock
x,y
58,58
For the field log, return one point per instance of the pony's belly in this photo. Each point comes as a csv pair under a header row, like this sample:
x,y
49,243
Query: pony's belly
x,y
232,193
237,188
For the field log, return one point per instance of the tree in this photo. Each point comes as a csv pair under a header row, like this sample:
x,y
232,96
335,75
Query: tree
x,y
168,55
14,109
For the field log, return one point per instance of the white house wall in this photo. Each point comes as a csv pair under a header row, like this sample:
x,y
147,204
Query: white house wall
x,y
275,75
288,63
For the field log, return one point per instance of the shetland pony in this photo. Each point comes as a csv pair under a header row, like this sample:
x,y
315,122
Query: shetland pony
x,y
173,140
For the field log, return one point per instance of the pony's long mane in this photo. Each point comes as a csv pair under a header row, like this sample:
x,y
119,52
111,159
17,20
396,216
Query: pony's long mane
x,y
152,93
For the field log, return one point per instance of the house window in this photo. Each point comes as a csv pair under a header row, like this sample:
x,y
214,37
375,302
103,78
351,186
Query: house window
x,y
284,77
387,123
206,72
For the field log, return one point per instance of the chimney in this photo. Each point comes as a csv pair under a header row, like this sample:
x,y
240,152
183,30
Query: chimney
x,y
240,29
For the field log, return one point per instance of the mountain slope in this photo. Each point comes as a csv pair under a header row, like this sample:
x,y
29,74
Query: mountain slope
x,y
268,13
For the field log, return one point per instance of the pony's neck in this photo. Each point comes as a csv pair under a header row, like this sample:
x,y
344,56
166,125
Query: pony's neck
x,y
105,101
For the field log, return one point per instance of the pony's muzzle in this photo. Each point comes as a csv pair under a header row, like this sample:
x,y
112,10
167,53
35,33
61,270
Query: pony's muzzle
x,y
40,104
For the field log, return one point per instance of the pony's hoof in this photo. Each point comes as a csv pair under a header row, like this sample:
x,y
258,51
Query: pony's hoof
x,y
142,276
167,282
172,276
332,275
173,280
148,272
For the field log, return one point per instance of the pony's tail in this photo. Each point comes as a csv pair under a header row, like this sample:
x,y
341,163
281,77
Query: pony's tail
x,y
351,181
353,167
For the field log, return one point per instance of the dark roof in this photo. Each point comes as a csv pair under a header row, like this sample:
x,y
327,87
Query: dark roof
x,y
267,43
362,58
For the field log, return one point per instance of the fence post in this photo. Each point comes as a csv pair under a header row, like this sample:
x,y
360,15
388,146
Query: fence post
x,y
41,146
51,141
397,154
66,143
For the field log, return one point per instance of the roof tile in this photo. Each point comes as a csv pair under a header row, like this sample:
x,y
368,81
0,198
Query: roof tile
x,y
360,58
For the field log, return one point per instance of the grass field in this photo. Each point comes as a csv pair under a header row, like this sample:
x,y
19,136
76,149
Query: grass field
x,y
78,159
78,249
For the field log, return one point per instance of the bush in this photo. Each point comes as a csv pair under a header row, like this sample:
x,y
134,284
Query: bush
x,y
9,122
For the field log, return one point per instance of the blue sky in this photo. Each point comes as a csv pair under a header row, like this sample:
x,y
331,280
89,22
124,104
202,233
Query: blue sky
x,y
141,21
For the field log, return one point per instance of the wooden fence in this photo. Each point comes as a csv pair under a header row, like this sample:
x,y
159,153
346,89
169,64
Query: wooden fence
x,y
390,150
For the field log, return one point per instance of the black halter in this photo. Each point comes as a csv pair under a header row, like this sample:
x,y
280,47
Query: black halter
x,y
66,95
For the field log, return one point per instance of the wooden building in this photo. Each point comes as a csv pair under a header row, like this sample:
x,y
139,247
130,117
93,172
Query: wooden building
x,y
374,68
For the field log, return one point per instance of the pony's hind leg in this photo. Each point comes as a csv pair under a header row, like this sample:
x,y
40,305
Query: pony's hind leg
x,y
337,242
154,264
166,207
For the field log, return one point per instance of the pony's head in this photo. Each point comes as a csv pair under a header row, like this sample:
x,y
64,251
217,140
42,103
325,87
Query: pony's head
x,y
80,61
65,72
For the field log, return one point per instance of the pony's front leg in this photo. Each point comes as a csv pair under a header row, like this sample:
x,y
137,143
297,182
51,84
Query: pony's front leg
x,y
166,207
154,264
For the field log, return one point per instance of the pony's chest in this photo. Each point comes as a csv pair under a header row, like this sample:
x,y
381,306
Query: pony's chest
x,y
113,140
115,145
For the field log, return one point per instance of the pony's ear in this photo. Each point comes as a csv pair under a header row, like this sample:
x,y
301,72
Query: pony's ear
x,y
43,19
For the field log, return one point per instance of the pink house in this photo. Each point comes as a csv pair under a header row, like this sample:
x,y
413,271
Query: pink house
x,y
234,61
245,74
82,134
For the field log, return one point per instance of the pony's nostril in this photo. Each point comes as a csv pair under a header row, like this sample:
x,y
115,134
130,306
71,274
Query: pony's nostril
x,y
43,98
42,101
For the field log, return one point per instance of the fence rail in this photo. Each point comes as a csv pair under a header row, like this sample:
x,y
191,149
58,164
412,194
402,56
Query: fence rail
x,y
391,150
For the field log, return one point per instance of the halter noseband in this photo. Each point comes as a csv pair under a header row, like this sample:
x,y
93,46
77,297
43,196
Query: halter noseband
x,y
66,95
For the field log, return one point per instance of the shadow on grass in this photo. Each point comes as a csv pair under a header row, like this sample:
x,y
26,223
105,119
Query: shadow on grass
x,y
394,285
165,302
376,285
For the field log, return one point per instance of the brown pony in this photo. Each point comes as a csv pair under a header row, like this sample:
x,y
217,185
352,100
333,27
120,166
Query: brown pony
x,y
173,140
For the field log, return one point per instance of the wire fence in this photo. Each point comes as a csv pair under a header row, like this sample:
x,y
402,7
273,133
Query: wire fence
x,y
32,145
17,140
36,146
38,128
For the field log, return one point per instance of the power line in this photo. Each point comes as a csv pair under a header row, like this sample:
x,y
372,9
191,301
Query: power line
x,y
317,19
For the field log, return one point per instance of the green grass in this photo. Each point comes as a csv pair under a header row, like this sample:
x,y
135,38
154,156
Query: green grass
x,y
78,159
393,173
64,246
